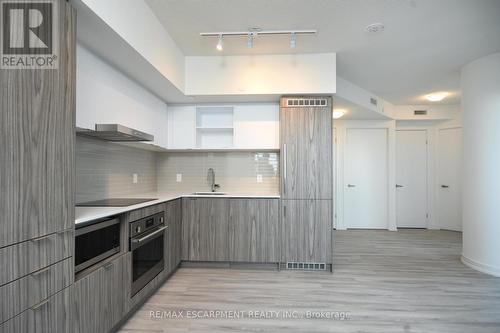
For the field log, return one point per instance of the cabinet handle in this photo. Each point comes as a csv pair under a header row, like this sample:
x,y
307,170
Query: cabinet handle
x,y
64,231
284,167
351,185
444,186
398,186
37,273
40,305
36,240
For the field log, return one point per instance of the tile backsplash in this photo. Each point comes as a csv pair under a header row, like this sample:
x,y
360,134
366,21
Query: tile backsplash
x,y
105,169
235,172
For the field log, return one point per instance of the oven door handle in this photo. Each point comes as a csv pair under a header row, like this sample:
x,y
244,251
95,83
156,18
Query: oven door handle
x,y
140,240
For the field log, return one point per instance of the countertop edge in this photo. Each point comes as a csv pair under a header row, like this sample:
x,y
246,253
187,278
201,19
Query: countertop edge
x,y
96,213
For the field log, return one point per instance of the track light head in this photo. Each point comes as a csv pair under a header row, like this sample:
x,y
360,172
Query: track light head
x,y
219,43
250,41
293,40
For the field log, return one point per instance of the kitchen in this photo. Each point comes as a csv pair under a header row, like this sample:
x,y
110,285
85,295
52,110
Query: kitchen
x,y
186,175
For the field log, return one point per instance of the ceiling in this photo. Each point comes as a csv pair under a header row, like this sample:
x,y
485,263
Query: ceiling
x,y
423,47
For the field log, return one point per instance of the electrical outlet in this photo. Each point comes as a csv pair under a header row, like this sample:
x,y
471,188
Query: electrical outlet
x,y
135,178
259,178
179,178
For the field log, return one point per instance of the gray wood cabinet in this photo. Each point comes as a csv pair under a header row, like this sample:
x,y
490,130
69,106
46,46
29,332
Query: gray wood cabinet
x,y
101,297
306,152
307,231
32,289
173,217
37,135
254,230
205,223
52,315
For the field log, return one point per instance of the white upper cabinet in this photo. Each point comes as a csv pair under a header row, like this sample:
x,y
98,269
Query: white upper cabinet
x,y
106,96
232,127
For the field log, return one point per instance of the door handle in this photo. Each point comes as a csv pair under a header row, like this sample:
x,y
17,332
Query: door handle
x,y
397,185
444,186
284,167
351,185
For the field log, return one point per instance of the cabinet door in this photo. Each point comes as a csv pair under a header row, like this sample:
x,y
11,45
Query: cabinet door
x,y
113,289
88,304
37,135
207,228
254,230
306,153
307,230
173,214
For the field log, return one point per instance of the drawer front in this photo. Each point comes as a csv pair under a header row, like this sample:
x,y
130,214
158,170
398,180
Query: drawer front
x,y
52,315
32,289
27,257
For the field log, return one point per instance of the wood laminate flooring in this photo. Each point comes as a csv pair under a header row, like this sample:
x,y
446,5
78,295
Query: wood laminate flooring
x,y
405,281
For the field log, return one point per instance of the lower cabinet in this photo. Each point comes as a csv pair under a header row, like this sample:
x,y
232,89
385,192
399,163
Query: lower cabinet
x,y
254,230
205,223
307,231
52,315
240,230
173,217
101,297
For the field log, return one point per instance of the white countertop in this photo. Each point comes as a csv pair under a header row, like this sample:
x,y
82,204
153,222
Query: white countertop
x,y
85,214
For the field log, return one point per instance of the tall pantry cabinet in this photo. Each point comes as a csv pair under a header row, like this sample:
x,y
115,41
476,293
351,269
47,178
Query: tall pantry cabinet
x,y
37,186
306,180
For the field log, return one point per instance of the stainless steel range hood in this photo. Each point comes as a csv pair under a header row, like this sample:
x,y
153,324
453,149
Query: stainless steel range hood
x,y
115,132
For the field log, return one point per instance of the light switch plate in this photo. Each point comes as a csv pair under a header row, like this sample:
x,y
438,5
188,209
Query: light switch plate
x,y
179,178
135,178
259,178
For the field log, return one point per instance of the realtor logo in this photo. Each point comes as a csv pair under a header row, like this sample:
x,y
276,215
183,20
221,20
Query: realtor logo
x,y
29,34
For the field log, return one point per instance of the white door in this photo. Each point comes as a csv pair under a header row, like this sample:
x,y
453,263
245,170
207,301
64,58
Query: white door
x,y
449,162
366,179
411,179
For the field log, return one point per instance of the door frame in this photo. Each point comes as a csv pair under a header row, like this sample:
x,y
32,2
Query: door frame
x,y
429,170
341,127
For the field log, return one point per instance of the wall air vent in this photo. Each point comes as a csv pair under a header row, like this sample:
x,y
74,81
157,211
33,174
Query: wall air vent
x,y
373,101
306,266
420,112
304,102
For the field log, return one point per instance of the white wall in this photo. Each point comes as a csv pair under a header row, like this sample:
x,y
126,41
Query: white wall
x,y
481,152
136,23
261,74
434,112
104,95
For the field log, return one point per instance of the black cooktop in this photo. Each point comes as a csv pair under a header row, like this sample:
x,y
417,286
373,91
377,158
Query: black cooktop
x,y
114,202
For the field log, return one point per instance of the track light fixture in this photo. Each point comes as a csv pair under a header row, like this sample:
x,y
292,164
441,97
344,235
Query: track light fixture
x,y
254,32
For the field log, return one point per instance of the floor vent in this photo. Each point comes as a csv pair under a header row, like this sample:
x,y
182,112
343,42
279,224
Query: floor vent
x,y
306,102
306,266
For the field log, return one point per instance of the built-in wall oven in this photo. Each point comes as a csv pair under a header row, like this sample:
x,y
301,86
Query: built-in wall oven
x,y
95,242
147,237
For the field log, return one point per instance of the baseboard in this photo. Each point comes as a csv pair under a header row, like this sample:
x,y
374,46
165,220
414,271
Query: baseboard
x,y
483,268
229,265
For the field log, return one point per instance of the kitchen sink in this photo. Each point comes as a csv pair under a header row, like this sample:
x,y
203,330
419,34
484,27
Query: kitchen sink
x,y
209,193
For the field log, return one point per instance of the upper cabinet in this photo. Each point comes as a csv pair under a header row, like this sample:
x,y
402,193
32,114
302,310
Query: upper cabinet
x,y
241,126
106,96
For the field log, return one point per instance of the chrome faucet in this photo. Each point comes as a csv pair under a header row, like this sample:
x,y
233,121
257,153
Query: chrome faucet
x,y
211,180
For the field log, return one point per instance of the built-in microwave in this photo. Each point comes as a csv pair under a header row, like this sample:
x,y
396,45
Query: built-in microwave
x,y
96,242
